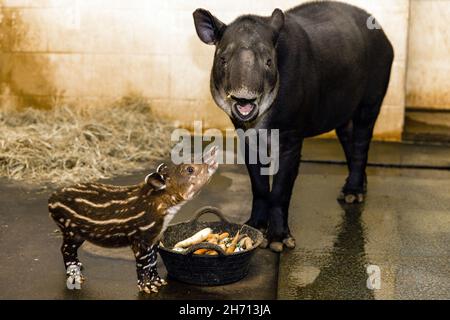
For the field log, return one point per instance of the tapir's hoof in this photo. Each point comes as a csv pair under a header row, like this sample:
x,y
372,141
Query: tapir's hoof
x,y
159,282
264,244
289,242
351,198
148,288
276,247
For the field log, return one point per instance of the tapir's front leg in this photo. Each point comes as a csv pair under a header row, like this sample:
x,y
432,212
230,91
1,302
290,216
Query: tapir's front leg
x,y
148,278
259,218
260,190
283,182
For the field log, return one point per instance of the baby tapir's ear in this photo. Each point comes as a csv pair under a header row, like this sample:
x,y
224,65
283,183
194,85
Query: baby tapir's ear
x,y
156,181
162,168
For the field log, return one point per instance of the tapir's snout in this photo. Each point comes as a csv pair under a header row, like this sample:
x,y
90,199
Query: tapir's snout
x,y
246,82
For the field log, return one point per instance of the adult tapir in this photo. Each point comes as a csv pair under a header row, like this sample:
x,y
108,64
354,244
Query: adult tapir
x,y
317,67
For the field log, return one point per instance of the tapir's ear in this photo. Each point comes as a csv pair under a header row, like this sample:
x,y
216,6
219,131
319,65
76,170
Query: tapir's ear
x,y
162,169
277,21
209,28
156,180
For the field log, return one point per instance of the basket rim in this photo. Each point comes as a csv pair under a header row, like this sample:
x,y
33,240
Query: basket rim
x,y
258,242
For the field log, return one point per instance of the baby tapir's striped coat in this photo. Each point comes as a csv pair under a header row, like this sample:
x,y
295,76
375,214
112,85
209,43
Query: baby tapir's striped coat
x,y
118,216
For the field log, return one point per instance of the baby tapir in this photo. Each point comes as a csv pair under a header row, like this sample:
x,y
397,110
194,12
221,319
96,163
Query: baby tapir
x,y
119,216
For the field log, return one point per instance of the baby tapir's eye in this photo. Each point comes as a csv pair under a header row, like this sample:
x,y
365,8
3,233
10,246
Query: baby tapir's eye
x,y
190,170
269,63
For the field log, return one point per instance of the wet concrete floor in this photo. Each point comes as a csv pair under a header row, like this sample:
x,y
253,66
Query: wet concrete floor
x,y
403,228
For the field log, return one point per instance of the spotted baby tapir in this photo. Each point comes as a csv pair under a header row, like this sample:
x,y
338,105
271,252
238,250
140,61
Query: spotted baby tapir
x,y
120,216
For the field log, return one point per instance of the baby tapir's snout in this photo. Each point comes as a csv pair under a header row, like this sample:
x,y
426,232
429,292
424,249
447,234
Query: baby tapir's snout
x,y
135,216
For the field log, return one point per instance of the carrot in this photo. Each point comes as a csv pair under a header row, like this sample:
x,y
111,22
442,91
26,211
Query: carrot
x,y
196,238
214,238
201,251
233,244
224,235
212,253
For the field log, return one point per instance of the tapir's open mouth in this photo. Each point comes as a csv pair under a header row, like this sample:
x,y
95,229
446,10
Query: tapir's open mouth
x,y
245,110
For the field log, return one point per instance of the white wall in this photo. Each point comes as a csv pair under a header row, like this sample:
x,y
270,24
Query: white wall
x,y
428,84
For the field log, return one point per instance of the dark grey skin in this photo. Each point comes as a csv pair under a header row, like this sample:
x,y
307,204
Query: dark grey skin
x,y
310,70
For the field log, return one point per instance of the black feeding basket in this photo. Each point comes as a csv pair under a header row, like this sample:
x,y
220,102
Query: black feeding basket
x,y
205,269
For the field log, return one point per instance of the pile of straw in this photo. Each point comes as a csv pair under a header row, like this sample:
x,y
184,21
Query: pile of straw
x,y
67,145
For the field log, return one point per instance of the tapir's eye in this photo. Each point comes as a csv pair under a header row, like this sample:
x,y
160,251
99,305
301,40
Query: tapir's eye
x,y
269,62
190,170
223,61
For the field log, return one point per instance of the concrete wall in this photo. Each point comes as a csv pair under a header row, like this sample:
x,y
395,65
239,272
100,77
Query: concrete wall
x,y
95,51
428,75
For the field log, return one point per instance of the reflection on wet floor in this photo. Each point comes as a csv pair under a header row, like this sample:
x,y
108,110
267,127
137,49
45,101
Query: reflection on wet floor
x,y
403,228
346,265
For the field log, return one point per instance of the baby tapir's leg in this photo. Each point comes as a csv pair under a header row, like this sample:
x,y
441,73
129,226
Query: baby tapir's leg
x,y
148,278
156,279
69,250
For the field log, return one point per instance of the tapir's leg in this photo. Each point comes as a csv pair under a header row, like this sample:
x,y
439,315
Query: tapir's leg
x,y
260,189
363,126
146,256
152,261
345,135
69,250
280,196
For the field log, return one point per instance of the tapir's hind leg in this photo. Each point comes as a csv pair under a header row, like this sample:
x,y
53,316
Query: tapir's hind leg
x,y
355,138
345,135
356,145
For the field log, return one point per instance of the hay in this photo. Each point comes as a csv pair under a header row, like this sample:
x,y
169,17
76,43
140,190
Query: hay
x,y
68,145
